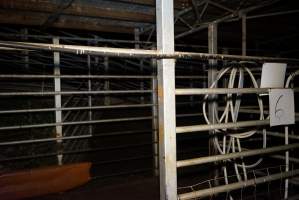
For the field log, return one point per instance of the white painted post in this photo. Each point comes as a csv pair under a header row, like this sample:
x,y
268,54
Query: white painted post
x,y
57,88
166,101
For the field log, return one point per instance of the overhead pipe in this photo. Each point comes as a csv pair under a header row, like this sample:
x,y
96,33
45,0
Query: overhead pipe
x,y
137,53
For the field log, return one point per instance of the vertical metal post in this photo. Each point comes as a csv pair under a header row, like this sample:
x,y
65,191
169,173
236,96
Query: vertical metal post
x,y
155,119
212,70
106,83
155,126
25,52
166,101
212,73
191,82
137,46
287,163
57,88
244,32
225,79
89,96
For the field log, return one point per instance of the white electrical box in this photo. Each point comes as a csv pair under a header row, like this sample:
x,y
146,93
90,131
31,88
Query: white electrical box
x,y
273,75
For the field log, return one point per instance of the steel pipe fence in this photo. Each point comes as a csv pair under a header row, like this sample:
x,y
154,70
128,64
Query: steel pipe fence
x,y
166,115
238,185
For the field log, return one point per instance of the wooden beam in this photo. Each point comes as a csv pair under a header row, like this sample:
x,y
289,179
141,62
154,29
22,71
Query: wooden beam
x,y
176,3
109,11
82,23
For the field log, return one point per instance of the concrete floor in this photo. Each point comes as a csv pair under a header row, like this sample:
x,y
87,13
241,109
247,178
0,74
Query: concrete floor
x,y
133,188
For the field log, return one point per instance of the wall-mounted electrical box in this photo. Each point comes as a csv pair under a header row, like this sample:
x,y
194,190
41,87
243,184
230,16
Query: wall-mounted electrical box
x,y
273,75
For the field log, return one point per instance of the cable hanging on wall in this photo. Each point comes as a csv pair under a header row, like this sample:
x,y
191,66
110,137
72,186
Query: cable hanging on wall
x,y
231,140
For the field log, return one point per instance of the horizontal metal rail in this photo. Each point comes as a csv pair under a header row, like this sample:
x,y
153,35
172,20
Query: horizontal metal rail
x,y
204,91
38,76
238,185
26,157
291,159
75,108
232,125
74,93
74,123
281,135
77,137
136,53
222,157
86,108
44,140
88,122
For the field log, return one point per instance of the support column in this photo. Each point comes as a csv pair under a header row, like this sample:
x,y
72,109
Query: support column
x,y
212,74
212,70
244,33
166,101
58,113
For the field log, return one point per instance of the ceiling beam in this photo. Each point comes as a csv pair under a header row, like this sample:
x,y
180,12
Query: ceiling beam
x,y
177,4
67,22
102,9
